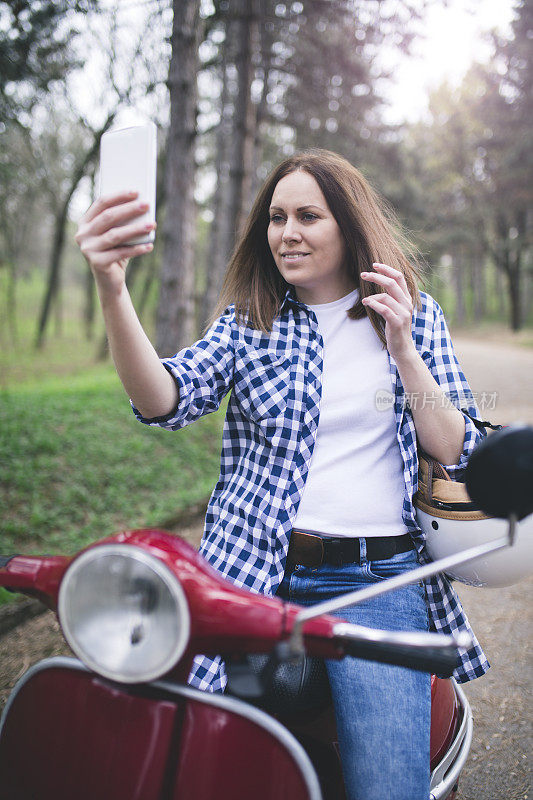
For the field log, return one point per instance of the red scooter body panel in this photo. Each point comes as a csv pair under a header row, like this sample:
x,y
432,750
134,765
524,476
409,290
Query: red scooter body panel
x,y
444,718
69,734
228,757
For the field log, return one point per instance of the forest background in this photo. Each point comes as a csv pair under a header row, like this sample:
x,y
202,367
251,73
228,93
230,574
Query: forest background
x,y
234,86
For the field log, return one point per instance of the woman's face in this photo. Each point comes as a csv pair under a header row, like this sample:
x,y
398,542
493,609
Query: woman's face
x,y
306,241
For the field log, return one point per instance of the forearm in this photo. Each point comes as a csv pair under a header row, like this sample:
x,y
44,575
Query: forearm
x,y
440,426
151,388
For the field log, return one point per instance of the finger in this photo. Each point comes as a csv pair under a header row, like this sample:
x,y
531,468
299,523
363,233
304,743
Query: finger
x,y
401,316
390,284
380,307
104,258
115,216
106,202
393,273
389,301
119,236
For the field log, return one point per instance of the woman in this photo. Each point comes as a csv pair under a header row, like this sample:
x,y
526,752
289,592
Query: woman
x,y
321,335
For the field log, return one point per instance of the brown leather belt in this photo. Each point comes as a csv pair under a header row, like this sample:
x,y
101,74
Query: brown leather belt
x,y
312,551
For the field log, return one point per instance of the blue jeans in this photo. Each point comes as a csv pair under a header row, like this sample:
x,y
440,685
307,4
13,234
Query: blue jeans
x,y
383,712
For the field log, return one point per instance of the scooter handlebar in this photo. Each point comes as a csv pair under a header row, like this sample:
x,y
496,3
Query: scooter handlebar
x,y
425,652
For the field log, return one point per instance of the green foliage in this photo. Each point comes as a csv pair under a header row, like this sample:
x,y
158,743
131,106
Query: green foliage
x,y
38,49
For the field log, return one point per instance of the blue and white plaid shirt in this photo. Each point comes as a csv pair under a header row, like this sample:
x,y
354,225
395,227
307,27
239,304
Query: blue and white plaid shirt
x,y
268,439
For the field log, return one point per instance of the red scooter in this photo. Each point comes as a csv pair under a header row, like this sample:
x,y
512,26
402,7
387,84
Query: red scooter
x,y
121,723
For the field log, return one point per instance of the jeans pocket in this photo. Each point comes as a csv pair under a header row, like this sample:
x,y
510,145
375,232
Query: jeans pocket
x,y
396,565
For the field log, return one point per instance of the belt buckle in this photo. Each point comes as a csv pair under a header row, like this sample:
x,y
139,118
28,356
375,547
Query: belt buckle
x,y
310,549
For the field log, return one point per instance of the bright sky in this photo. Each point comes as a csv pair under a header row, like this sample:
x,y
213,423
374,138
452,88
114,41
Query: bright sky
x,y
453,40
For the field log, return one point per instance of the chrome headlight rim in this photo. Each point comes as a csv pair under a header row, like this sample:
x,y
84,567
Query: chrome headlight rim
x,y
172,584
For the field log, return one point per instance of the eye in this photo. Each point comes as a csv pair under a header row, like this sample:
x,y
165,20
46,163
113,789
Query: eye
x,y
276,218
308,216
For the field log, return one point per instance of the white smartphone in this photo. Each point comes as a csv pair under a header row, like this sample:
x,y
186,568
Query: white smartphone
x,y
128,162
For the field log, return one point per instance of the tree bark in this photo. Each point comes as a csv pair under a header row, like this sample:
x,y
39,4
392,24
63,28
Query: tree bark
x,y
175,322
479,283
235,144
219,239
458,280
58,241
265,45
510,262
241,147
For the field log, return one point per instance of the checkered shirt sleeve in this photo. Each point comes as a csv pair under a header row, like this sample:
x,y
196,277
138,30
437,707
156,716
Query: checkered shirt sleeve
x,y
434,343
436,348
203,375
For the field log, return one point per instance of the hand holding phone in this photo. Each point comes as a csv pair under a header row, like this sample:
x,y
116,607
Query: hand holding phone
x,y
128,161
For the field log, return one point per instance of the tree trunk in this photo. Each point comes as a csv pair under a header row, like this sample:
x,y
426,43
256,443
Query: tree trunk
x,y
11,299
515,298
235,146
499,290
219,238
175,322
56,254
511,263
54,271
479,284
458,276
241,146
89,308
265,55
527,297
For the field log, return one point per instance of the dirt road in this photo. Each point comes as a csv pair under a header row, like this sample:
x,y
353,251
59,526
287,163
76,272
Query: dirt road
x,y
499,764
499,767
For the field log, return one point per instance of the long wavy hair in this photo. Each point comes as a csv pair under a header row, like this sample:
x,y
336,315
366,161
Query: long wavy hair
x,y
368,224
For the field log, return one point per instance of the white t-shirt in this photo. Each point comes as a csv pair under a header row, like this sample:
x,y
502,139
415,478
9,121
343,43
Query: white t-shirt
x,y
355,484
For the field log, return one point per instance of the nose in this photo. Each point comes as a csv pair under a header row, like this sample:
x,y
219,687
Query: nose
x,y
290,231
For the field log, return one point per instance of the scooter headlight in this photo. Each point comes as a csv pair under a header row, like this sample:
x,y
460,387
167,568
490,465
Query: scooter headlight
x,y
124,613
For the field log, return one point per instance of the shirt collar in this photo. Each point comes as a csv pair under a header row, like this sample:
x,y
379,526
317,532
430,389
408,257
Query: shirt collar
x,y
291,300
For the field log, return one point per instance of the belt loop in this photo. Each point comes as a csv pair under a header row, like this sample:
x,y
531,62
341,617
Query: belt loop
x,y
362,550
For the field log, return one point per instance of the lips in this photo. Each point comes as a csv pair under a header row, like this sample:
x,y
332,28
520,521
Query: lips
x,y
294,255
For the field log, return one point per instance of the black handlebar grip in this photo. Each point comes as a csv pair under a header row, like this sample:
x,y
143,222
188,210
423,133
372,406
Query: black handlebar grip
x,y
439,660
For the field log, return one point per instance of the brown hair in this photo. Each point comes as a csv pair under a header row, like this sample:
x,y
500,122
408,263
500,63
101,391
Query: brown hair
x,y
368,224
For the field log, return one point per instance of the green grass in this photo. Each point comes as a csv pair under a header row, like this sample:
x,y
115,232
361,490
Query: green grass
x,y
77,466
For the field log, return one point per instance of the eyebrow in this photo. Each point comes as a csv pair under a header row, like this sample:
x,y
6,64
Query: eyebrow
x,y
300,208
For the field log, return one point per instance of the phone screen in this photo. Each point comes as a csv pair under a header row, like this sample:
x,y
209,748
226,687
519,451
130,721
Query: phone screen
x,y
128,161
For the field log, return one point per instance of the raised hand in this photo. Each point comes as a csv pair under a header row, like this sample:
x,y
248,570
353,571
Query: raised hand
x,y
394,304
103,231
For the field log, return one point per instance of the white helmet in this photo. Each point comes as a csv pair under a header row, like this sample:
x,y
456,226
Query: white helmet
x,y
452,523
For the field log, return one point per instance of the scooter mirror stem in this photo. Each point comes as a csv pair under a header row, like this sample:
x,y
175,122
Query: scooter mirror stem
x,y
513,520
390,584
